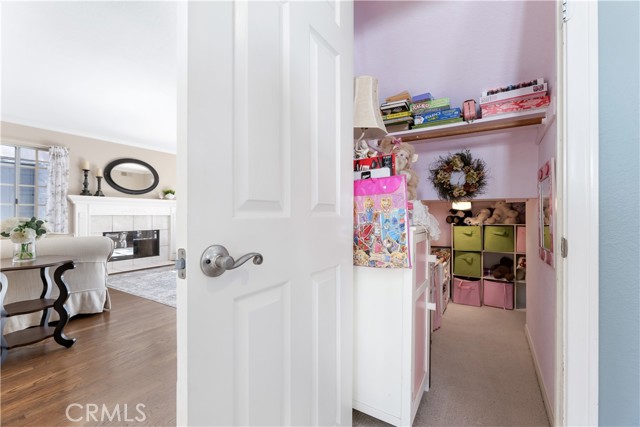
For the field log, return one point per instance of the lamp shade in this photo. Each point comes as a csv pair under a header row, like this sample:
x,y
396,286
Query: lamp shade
x,y
366,109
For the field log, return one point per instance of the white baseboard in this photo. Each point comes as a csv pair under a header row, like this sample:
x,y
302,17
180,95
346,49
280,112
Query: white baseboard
x,y
545,396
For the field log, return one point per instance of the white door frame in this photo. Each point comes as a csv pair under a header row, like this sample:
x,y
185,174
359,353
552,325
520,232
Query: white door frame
x,y
577,335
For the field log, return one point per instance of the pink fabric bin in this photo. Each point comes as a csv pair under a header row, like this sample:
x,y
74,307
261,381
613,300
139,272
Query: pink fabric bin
x,y
521,239
498,294
468,292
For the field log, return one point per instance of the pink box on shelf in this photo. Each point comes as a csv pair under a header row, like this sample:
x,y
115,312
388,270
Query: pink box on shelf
x,y
498,294
521,239
468,292
511,106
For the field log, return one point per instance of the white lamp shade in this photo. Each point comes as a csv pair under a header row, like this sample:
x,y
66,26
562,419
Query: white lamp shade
x,y
366,109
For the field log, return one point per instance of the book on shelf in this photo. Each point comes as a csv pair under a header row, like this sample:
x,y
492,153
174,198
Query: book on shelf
x,y
396,115
513,86
408,119
394,107
422,97
438,123
451,113
426,105
517,105
430,110
511,95
399,96
398,127
376,162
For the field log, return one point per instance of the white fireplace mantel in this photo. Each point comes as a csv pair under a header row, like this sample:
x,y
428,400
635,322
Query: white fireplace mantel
x,y
84,207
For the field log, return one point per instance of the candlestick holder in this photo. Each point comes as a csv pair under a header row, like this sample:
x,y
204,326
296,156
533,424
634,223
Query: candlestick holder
x,y
85,184
99,192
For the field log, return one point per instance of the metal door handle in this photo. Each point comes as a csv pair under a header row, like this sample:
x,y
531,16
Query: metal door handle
x,y
215,260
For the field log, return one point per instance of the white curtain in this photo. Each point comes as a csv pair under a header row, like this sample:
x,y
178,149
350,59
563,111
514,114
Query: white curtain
x,y
57,189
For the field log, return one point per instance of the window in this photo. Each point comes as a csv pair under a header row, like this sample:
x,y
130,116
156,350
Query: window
x,y
24,172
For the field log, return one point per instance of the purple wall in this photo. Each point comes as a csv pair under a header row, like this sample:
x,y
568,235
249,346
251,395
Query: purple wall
x,y
458,49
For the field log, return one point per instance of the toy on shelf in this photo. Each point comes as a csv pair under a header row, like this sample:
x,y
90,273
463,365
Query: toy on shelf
x,y
504,270
405,157
479,219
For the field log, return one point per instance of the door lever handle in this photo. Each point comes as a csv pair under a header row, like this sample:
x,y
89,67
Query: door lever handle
x,y
215,260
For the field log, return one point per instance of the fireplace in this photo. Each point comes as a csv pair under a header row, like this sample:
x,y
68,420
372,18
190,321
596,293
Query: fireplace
x,y
134,244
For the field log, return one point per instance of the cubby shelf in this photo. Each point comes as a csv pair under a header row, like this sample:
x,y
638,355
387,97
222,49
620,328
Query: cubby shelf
x,y
488,124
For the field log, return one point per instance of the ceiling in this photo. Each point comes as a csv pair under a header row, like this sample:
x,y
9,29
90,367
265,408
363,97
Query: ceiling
x,y
105,70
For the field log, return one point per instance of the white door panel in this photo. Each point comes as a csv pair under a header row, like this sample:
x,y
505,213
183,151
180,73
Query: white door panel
x,y
265,161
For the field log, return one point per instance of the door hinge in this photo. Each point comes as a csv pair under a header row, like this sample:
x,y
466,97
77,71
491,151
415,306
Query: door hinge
x,y
563,247
565,14
181,263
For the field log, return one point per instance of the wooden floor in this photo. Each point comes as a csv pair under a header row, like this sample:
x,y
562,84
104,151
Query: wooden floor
x,y
122,358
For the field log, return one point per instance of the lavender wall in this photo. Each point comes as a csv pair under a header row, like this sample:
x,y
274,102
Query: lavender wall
x,y
541,287
457,49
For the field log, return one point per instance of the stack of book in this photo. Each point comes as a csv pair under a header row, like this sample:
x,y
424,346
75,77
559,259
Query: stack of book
x,y
434,112
519,97
396,113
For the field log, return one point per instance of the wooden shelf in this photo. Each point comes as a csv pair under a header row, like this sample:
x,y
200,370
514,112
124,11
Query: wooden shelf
x,y
488,124
28,306
28,336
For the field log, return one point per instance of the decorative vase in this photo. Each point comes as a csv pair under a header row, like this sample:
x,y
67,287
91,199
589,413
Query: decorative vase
x,y
24,251
170,196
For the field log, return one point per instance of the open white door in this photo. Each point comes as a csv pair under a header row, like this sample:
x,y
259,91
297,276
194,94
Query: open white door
x,y
264,161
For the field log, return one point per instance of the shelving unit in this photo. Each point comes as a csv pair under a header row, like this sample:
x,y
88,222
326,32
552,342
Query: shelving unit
x,y
488,124
473,244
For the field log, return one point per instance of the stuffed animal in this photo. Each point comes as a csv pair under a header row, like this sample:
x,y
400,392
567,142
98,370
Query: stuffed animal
x,y
504,270
361,150
405,155
479,219
502,214
458,217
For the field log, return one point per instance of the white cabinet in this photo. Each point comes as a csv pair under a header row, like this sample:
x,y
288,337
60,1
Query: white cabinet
x,y
391,336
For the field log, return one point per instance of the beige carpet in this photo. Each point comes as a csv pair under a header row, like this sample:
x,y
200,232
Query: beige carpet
x,y
482,373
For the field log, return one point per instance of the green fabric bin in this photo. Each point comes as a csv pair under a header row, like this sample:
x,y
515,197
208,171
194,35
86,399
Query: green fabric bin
x,y
467,238
498,238
467,264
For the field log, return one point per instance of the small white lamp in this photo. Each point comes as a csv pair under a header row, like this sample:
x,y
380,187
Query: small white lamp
x,y
367,121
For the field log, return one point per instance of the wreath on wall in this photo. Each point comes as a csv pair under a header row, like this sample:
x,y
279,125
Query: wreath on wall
x,y
458,176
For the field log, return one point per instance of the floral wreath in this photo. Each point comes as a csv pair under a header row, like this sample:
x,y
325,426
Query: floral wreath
x,y
446,176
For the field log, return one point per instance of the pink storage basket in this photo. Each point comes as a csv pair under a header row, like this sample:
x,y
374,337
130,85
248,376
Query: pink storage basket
x,y
467,292
498,294
521,239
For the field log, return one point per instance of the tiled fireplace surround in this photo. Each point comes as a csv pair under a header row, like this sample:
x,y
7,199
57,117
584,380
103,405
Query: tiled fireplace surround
x,y
92,216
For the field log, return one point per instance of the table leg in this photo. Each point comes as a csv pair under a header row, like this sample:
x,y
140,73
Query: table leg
x,y
59,307
3,316
46,293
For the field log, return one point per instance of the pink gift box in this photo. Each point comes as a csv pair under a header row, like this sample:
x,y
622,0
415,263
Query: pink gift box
x,y
498,294
511,106
467,292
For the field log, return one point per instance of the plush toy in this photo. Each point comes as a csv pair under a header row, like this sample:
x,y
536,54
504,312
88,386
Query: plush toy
x,y
458,217
502,214
511,218
504,270
405,155
521,269
479,219
361,150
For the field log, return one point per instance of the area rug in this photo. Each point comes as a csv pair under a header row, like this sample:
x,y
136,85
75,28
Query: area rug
x,y
156,284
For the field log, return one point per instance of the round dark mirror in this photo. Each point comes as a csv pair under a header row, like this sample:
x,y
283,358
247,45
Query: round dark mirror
x,y
131,176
